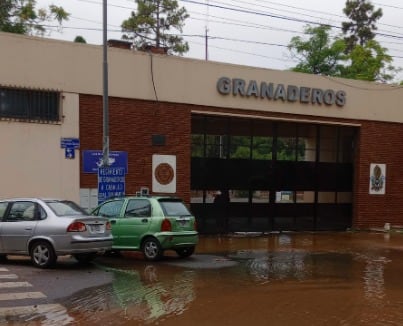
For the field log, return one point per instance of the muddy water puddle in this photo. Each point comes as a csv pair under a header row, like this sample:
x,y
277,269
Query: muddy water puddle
x,y
275,279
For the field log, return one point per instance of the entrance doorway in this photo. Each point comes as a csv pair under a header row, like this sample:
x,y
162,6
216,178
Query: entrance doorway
x,y
256,175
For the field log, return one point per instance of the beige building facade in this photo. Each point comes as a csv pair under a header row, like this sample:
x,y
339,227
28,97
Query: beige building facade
x,y
35,164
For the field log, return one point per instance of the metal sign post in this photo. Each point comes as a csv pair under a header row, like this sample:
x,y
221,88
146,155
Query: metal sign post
x,y
105,145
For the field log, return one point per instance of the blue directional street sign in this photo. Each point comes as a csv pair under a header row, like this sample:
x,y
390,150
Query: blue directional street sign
x,y
69,152
93,159
70,142
111,183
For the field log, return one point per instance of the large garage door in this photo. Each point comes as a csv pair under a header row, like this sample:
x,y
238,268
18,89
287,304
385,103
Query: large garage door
x,y
258,175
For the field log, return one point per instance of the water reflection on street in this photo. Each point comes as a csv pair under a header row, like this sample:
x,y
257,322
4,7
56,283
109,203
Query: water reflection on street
x,y
139,293
275,279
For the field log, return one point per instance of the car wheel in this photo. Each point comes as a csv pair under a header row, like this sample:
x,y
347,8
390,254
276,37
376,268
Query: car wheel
x,y
3,257
42,254
85,258
151,249
185,252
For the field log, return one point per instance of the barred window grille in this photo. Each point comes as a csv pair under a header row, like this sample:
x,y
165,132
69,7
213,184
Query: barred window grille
x,y
26,104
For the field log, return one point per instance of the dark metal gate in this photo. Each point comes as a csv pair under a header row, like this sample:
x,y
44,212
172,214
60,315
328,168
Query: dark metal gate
x,y
251,175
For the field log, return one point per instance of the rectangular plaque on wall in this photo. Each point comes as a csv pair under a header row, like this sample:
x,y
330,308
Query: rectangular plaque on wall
x,y
377,179
164,173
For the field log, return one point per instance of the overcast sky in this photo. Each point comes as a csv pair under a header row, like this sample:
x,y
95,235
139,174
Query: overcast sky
x,y
246,32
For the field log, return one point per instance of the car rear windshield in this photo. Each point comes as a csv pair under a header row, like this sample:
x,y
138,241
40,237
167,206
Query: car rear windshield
x,y
174,208
65,208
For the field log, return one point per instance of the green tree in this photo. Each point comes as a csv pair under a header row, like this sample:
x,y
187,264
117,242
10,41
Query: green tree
x,y
367,59
369,62
262,148
152,24
360,29
317,54
22,16
79,39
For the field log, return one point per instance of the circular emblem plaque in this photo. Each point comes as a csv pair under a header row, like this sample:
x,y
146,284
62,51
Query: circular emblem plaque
x,y
164,173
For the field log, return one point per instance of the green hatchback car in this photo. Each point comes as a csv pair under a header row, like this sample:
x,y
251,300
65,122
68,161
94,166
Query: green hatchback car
x,y
150,224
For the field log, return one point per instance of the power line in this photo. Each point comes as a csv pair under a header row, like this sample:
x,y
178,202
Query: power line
x,y
247,11
244,10
261,8
249,4
331,15
389,6
109,5
244,52
210,37
241,23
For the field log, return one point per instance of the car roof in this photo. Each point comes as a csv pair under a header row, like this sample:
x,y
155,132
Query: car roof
x,y
30,199
157,197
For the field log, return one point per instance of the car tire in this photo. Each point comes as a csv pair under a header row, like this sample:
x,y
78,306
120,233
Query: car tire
x,y
151,249
185,252
42,254
85,258
3,257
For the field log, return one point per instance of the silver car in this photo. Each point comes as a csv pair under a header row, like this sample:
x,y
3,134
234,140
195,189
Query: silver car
x,y
47,228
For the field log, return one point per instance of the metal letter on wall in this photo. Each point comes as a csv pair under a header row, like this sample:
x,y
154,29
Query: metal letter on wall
x,y
377,179
164,173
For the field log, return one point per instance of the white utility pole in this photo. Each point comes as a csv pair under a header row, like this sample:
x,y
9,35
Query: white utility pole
x,y
105,145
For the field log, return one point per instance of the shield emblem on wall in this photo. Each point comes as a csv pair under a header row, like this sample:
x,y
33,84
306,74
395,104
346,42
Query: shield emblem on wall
x,y
377,179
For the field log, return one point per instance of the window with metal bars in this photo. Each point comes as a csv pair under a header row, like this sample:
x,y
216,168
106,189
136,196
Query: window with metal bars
x,y
27,104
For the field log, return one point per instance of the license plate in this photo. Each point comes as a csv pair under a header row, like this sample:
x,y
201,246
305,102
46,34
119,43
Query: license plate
x,y
183,222
97,228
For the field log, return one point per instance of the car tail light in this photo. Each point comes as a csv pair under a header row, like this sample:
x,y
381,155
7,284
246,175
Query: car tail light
x,y
166,226
76,227
108,225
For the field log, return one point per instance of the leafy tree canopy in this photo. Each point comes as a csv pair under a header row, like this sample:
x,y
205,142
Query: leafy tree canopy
x,y
152,24
317,54
79,39
369,62
22,16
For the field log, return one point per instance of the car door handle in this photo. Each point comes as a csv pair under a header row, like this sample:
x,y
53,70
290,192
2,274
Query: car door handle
x,y
144,220
28,229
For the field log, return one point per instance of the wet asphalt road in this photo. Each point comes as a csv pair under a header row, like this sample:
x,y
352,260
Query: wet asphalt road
x,y
69,277
275,279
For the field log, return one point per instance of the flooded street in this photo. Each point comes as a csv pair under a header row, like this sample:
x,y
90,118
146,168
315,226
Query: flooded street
x,y
276,279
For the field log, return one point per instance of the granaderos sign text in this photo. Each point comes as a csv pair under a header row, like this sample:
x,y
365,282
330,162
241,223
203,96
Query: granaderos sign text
x,y
271,91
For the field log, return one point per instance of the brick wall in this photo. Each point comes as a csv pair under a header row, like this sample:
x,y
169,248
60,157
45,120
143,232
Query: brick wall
x,y
133,122
131,126
379,143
